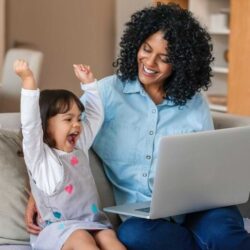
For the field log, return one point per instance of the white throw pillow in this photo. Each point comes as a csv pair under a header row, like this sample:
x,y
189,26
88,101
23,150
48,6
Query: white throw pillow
x,y
13,186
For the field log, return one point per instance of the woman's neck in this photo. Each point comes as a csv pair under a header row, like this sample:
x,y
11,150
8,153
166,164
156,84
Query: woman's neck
x,y
156,93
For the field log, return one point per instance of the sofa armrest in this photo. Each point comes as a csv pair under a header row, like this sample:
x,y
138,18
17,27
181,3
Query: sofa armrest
x,y
15,247
224,120
10,121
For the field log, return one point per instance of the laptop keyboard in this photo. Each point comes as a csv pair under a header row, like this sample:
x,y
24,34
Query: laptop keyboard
x,y
145,209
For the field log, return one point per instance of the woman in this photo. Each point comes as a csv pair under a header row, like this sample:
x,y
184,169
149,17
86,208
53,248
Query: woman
x,y
163,65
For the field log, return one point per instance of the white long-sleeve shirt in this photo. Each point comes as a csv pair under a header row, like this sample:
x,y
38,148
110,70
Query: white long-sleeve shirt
x,y
45,170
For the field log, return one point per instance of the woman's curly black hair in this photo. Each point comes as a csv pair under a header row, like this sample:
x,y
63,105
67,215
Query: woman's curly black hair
x,y
189,49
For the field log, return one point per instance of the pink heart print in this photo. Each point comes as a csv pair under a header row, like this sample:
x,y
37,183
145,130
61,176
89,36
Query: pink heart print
x,y
69,188
74,160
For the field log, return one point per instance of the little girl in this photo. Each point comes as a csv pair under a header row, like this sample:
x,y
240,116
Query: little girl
x,y
56,155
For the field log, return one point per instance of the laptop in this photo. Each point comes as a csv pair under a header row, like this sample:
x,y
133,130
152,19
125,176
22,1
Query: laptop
x,y
195,172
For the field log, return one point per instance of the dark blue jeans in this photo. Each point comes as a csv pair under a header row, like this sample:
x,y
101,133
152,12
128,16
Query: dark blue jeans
x,y
215,229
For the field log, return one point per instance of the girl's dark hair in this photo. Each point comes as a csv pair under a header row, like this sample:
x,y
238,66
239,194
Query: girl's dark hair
x,y
53,102
189,49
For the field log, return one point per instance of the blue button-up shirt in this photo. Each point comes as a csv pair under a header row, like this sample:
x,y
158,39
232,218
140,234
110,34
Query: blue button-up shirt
x,y
129,137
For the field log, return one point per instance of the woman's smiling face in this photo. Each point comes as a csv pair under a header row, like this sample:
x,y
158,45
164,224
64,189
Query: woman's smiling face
x,y
153,66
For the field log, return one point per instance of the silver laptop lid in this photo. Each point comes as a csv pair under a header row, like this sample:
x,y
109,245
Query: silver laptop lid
x,y
201,170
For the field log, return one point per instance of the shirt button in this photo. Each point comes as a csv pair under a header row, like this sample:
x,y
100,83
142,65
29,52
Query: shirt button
x,y
151,132
144,174
148,157
153,110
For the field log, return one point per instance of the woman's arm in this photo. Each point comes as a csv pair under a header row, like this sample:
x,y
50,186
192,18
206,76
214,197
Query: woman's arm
x,y
31,217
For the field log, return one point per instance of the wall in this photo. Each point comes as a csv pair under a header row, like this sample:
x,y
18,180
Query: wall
x,y
68,32
124,9
2,31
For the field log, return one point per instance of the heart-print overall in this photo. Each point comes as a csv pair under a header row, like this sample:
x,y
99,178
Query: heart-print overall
x,y
73,206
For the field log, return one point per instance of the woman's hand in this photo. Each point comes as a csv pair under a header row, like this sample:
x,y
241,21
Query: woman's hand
x,y
30,217
83,73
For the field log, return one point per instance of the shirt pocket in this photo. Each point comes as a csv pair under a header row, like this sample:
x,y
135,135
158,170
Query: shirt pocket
x,y
124,143
117,143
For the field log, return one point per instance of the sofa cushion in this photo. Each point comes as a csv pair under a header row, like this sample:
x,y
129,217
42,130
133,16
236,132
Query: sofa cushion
x,y
10,121
13,183
103,186
15,247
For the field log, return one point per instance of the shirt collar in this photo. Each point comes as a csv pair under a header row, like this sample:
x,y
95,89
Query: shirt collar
x,y
136,87
132,87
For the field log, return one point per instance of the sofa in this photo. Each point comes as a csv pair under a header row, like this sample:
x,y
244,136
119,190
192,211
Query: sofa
x,y
14,182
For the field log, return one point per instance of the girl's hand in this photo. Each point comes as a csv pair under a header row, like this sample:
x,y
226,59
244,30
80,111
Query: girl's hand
x,y
83,73
22,69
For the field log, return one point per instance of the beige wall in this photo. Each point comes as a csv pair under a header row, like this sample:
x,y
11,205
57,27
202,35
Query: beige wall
x,y
123,11
2,31
67,31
